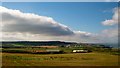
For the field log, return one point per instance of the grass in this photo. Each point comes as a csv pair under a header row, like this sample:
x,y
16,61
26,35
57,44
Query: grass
x,y
67,59
72,59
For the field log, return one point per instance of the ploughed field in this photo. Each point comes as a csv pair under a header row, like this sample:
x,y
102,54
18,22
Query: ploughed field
x,y
69,59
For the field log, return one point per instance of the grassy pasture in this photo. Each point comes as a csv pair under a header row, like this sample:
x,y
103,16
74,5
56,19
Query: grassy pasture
x,y
72,59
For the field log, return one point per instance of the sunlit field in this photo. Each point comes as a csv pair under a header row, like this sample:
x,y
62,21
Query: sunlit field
x,y
72,59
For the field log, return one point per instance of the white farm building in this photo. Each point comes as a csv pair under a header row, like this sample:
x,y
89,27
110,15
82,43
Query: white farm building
x,y
80,51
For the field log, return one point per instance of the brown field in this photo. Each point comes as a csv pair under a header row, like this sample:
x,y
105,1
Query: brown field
x,y
73,59
45,46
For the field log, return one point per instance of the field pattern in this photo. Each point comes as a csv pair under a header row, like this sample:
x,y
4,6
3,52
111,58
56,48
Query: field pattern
x,y
74,59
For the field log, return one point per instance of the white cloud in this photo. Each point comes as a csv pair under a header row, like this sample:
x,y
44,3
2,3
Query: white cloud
x,y
17,21
17,25
109,22
111,0
114,19
113,32
111,35
31,26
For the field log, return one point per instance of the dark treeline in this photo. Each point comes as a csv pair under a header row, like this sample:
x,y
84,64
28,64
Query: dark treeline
x,y
35,43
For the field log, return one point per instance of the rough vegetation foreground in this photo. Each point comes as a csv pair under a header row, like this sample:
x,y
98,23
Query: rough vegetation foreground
x,y
76,59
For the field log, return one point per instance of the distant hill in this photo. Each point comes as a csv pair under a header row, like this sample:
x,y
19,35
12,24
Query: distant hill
x,y
34,43
48,43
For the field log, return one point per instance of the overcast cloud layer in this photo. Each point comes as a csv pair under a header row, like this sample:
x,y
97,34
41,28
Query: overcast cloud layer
x,y
17,25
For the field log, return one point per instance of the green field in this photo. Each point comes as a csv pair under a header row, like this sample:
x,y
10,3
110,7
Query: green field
x,y
71,59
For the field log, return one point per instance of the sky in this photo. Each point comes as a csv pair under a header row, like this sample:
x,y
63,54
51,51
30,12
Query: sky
x,y
77,16
60,0
91,22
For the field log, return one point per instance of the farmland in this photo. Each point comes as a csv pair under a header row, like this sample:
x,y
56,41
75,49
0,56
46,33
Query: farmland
x,y
14,55
70,59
